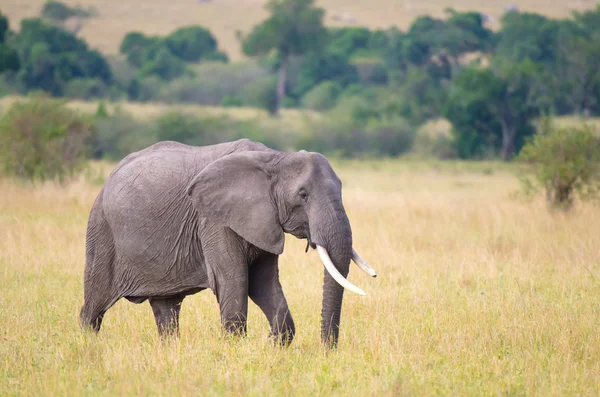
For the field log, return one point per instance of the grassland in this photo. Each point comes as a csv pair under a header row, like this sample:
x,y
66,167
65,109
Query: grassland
x,y
478,294
225,17
144,111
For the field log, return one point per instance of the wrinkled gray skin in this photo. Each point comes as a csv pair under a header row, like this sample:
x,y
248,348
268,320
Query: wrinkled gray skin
x,y
173,220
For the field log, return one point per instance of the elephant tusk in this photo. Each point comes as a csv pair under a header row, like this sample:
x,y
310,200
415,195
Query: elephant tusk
x,y
362,264
341,280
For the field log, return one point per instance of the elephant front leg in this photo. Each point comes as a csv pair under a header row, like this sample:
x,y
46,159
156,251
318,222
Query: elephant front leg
x,y
265,290
227,265
232,296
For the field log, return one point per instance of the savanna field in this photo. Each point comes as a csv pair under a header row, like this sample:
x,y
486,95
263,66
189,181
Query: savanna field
x,y
478,293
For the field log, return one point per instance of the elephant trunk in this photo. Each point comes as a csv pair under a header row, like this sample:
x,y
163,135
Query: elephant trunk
x,y
336,240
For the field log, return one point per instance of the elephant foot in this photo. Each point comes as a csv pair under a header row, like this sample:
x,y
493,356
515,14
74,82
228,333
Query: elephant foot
x,y
283,339
236,328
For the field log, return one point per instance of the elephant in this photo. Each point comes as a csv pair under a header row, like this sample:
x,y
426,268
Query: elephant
x,y
172,220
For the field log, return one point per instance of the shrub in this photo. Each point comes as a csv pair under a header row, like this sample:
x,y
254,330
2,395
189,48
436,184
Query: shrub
x,y
230,101
86,89
566,162
434,140
164,65
116,135
191,43
211,84
188,129
119,134
389,137
261,94
340,135
42,138
323,96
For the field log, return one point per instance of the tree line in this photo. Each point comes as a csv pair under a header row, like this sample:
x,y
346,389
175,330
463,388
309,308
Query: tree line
x,y
490,85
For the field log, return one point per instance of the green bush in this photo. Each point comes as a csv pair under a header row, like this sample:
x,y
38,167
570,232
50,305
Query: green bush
x,y
116,135
340,135
188,129
323,96
566,163
191,43
119,134
51,57
389,137
86,89
211,83
42,138
261,94
232,101
164,65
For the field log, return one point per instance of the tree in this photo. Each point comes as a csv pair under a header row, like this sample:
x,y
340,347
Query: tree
x,y
51,57
164,65
9,59
576,74
295,27
314,69
492,108
138,47
191,43
528,36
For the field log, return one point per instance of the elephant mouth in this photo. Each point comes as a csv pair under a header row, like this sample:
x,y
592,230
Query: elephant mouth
x,y
309,243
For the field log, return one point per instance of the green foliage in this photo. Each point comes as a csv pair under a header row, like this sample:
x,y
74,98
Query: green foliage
x,y
315,69
139,48
166,57
42,138
191,43
438,44
566,162
528,36
86,89
491,110
180,127
293,28
116,135
232,101
51,57
322,97
211,83
119,134
9,59
261,94
347,41
338,134
60,12
164,65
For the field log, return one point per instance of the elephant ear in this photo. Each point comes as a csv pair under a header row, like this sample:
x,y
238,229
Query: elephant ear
x,y
235,191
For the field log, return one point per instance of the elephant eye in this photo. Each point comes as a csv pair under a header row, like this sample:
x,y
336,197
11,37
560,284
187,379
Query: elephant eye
x,y
303,195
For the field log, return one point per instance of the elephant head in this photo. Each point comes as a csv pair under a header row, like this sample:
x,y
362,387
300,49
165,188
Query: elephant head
x,y
262,195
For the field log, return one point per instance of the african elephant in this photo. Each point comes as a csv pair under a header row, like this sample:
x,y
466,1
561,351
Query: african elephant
x,y
173,220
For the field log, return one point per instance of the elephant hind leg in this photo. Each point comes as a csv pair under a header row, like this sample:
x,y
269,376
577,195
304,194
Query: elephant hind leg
x,y
99,292
166,313
90,321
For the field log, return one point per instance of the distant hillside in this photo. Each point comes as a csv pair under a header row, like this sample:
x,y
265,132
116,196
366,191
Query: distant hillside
x,y
224,17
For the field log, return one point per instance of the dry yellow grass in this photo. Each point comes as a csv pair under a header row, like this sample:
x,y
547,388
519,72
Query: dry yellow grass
x,y
225,17
478,294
